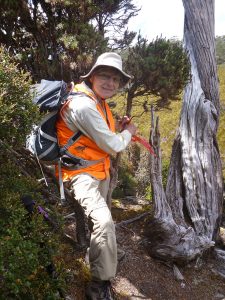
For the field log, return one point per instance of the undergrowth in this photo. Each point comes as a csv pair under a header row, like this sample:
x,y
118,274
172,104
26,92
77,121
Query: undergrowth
x,y
28,245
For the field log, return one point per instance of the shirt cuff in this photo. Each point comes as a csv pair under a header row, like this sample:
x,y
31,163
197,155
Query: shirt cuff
x,y
126,135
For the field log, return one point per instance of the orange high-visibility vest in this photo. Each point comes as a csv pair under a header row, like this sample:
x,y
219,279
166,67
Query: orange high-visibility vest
x,y
85,148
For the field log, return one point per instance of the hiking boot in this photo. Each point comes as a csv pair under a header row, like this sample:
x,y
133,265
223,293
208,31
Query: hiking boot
x,y
99,290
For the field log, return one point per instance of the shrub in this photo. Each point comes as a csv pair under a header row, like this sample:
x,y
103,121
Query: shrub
x,y
17,114
28,245
127,184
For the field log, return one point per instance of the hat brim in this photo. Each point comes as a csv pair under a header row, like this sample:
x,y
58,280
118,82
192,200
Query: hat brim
x,y
126,77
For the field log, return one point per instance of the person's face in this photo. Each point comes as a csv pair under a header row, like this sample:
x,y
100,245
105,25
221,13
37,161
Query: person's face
x,y
105,82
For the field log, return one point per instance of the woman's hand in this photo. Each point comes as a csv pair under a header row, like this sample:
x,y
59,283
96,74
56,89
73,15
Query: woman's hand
x,y
131,128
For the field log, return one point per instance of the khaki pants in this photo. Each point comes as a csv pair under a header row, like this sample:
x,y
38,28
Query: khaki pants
x,y
92,196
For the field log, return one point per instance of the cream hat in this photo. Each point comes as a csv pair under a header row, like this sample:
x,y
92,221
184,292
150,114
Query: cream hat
x,y
109,59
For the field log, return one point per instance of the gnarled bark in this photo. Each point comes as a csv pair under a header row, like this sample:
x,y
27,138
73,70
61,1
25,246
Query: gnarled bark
x,y
188,213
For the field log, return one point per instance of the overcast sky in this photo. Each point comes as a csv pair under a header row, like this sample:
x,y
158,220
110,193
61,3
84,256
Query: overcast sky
x,y
166,18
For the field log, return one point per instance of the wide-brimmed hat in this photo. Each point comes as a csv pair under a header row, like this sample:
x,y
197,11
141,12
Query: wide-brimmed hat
x,y
109,59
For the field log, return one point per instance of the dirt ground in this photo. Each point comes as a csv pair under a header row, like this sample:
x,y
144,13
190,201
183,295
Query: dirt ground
x,y
141,277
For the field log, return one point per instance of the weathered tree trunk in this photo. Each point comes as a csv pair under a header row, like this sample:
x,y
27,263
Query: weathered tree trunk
x,y
187,215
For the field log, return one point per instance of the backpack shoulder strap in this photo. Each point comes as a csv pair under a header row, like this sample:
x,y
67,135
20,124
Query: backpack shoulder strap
x,y
70,142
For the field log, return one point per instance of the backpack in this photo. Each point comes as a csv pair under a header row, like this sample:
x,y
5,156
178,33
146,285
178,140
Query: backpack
x,y
43,142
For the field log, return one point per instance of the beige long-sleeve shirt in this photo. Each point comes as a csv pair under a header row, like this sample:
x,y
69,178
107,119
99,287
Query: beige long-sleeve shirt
x,y
82,114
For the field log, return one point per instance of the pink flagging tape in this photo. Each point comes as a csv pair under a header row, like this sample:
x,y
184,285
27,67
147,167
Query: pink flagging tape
x,y
144,142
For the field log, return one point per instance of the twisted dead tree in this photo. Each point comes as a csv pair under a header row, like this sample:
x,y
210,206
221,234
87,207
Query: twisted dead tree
x,y
187,215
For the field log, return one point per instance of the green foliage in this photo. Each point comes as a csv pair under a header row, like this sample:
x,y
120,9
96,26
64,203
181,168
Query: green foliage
x,y
148,193
17,114
127,185
51,39
60,39
220,133
220,49
27,244
160,68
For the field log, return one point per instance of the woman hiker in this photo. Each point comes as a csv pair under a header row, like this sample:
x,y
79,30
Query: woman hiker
x,y
88,113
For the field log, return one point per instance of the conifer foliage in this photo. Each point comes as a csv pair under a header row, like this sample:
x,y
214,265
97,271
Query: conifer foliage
x,y
57,39
160,67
